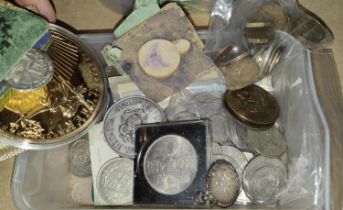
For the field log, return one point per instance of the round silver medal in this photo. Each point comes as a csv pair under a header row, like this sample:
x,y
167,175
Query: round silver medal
x,y
33,71
223,184
263,179
122,118
170,164
114,182
270,143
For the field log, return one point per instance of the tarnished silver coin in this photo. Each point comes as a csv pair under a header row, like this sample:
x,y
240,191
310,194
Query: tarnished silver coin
x,y
122,118
114,181
223,184
216,148
170,164
219,127
237,155
33,71
263,179
79,157
238,135
210,105
269,143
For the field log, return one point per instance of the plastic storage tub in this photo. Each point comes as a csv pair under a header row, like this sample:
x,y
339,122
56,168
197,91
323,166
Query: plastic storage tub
x,y
41,179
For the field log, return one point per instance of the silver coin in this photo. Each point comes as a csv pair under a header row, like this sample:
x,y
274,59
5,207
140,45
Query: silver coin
x,y
263,179
270,143
219,128
216,148
79,156
114,181
170,164
237,155
238,135
184,115
223,184
33,71
122,118
79,152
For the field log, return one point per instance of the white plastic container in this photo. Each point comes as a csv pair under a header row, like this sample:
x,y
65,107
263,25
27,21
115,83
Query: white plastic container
x,y
41,179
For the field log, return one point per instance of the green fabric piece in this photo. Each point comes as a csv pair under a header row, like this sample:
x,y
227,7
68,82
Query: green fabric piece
x,y
111,56
143,10
19,32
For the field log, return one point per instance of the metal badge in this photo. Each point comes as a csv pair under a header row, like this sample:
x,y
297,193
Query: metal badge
x,y
79,157
114,181
170,164
263,179
33,71
269,143
223,184
122,118
253,106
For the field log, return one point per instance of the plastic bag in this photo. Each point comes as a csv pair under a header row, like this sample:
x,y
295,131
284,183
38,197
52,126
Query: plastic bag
x,y
290,82
230,17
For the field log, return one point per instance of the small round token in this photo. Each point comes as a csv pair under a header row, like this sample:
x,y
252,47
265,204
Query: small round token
x,y
114,182
241,73
269,143
253,106
122,118
170,164
263,179
33,71
223,184
182,45
159,58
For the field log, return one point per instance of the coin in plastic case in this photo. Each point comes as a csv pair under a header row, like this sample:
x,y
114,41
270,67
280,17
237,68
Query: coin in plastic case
x,y
33,71
170,164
